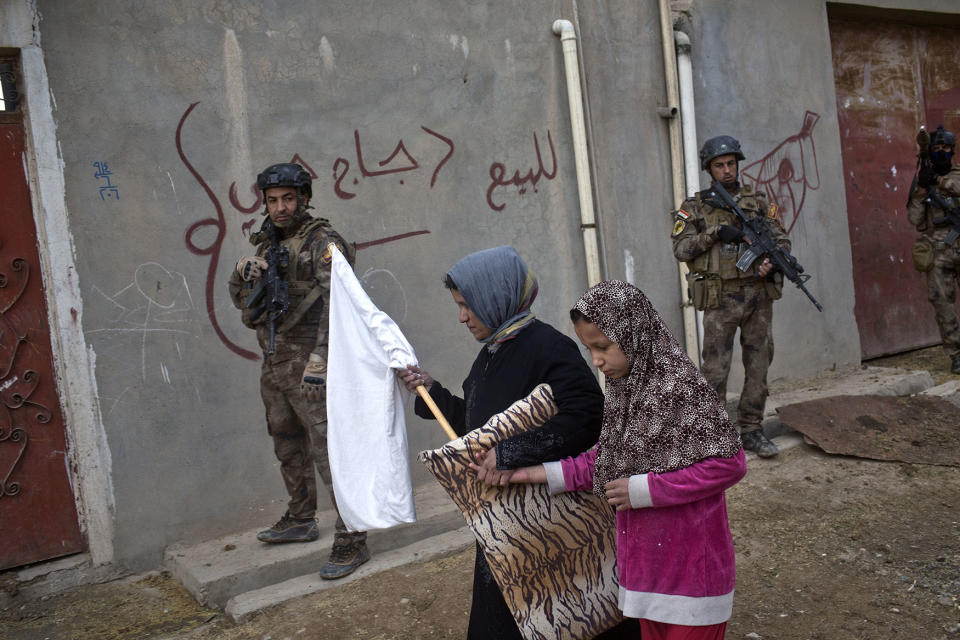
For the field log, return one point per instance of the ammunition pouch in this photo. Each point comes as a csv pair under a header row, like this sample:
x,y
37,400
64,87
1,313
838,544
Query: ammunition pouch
x,y
247,315
704,291
774,285
922,253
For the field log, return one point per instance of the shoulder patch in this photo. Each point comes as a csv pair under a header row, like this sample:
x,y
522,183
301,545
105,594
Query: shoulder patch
x,y
773,212
683,214
326,257
678,227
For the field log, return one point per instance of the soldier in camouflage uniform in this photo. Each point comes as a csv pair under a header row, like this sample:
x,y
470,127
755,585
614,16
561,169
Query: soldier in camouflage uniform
x,y
932,254
709,238
293,375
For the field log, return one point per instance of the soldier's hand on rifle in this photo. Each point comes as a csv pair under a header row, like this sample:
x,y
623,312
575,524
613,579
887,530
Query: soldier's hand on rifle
x,y
728,234
251,267
926,176
765,267
313,384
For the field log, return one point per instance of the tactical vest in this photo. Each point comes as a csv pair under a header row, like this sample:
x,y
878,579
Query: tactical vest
x,y
936,220
302,317
721,259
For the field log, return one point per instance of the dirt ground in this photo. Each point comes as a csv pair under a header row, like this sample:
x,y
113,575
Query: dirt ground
x,y
827,547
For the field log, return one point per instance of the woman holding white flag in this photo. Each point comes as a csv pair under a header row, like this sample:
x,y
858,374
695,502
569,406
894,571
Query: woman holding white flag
x,y
494,291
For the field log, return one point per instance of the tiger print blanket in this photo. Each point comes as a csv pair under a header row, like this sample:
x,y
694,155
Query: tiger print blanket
x,y
554,557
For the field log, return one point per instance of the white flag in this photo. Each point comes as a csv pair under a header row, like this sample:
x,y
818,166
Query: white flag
x,y
366,426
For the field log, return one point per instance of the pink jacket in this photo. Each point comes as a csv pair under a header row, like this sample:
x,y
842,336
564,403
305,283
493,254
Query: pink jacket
x,y
675,557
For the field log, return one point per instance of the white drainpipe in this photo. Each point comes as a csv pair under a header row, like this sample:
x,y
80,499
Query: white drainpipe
x,y
588,221
690,329
688,117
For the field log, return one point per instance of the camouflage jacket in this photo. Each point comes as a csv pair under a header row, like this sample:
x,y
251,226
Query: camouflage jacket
x,y
927,217
695,238
305,324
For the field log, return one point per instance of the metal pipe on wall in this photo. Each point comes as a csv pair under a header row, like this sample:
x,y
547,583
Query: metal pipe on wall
x,y
588,222
689,129
690,333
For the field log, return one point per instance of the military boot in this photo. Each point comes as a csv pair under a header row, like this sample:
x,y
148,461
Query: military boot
x,y
347,554
758,443
290,529
955,363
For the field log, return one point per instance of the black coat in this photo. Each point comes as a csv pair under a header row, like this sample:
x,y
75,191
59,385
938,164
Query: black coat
x,y
539,353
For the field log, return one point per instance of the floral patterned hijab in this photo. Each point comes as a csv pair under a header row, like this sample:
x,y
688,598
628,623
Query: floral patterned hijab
x,y
663,415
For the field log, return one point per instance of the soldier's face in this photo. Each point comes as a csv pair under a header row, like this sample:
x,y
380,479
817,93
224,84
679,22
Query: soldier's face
x,y
606,355
281,204
723,169
479,330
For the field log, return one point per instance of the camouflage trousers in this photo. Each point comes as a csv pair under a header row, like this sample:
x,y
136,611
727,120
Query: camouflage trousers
x,y
751,310
299,431
942,294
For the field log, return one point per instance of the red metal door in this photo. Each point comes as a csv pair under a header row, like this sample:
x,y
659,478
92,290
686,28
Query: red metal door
x,y
890,79
38,517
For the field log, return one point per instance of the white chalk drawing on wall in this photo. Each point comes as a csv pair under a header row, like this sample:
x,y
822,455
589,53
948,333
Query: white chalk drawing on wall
x,y
382,284
149,316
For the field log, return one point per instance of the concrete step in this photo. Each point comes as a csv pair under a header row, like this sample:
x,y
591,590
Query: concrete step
x,y
217,570
240,607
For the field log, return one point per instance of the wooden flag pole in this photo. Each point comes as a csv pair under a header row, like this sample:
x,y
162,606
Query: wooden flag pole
x,y
435,410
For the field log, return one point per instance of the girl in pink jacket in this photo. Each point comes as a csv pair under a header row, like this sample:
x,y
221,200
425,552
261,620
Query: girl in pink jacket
x,y
666,454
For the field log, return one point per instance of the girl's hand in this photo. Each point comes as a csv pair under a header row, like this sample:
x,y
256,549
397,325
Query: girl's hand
x,y
618,493
487,472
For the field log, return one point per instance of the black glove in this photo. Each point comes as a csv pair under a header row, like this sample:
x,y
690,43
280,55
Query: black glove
x,y
729,234
926,176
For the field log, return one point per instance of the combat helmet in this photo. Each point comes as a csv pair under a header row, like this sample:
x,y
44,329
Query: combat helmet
x,y
285,174
719,146
942,136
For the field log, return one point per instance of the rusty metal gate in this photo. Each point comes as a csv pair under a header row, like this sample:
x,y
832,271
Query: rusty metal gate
x,y
890,78
38,517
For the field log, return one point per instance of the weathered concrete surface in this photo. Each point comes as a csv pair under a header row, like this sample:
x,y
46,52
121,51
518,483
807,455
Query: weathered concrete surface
x,y
880,381
186,104
948,391
218,570
919,429
242,606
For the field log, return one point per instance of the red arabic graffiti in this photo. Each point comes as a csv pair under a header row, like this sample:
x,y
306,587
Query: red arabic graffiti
x,y
219,223
213,250
341,166
786,173
498,172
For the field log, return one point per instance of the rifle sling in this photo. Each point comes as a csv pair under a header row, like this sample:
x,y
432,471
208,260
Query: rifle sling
x,y
293,317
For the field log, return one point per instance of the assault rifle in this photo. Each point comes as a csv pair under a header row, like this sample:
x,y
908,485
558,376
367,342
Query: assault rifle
x,y
951,214
271,295
761,243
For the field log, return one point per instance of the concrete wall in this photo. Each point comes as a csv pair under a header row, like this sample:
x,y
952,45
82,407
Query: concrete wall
x,y
185,102
182,104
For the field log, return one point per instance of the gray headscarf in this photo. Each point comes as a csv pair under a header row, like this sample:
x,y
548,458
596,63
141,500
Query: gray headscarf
x,y
499,289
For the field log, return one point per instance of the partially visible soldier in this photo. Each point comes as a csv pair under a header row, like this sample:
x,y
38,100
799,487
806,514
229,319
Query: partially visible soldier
x,y
709,238
293,376
932,254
